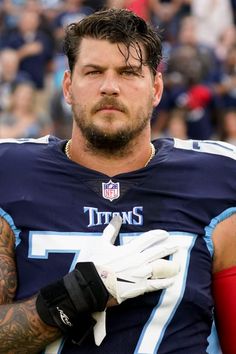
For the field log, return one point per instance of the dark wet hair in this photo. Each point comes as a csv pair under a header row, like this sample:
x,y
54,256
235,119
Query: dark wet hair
x,y
116,26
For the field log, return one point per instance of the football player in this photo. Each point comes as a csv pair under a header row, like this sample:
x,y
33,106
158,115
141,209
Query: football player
x,y
66,259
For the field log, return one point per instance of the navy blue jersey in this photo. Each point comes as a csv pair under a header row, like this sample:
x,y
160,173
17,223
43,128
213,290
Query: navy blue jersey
x,y
58,210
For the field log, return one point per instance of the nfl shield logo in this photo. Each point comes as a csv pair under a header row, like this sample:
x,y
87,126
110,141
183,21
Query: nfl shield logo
x,y
111,190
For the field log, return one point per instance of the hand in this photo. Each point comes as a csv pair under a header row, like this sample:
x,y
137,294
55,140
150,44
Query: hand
x,y
136,267
132,269
30,49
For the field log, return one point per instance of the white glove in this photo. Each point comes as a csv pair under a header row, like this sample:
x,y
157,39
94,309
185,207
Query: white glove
x,y
134,268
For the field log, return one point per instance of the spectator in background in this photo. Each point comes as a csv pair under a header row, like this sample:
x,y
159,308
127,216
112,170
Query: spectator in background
x,y
226,87
48,10
167,14
34,50
228,126
211,24
9,75
188,79
176,125
141,8
226,41
11,10
95,4
212,19
72,11
160,13
186,37
51,4
61,115
22,120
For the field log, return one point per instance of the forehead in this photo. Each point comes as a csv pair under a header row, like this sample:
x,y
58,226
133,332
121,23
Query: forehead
x,y
101,51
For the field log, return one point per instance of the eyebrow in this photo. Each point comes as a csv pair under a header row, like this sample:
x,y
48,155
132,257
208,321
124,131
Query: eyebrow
x,y
94,66
135,68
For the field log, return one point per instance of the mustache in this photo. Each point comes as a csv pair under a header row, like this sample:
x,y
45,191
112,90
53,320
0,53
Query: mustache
x,y
110,102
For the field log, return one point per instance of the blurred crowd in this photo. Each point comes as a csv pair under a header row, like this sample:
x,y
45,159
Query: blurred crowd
x,y
198,66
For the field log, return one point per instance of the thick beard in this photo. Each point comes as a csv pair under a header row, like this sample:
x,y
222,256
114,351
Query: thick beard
x,y
104,143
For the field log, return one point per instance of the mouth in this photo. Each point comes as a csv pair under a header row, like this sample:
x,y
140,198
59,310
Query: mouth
x,y
109,108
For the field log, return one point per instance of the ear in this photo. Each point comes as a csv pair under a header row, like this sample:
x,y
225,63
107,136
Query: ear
x,y
157,89
66,86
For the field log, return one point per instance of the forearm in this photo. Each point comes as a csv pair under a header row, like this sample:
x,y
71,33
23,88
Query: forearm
x,y
21,329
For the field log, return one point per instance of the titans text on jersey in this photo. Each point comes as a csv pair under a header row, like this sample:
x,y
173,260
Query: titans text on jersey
x,y
58,210
131,217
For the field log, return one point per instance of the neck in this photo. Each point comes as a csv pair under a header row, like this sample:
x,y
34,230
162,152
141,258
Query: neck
x,y
137,155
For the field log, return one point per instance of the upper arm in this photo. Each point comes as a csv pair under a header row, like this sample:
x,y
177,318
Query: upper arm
x,y
224,241
224,282
8,278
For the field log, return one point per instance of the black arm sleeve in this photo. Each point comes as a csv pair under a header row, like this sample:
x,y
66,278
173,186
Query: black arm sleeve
x,y
69,302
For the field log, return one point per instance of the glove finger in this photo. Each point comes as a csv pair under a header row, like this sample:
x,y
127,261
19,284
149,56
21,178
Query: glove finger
x,y
146,286
159,269
158,284
112,229
163,268
129,263
132,258
99,330
158,251
146,240
137,273
142,287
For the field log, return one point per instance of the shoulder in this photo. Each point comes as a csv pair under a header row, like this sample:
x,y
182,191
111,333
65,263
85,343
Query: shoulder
x,y
9,144
207,154
23,160
203,168
201,149
210,147
18,150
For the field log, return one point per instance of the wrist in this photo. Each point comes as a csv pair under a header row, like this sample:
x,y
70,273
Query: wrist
x,y
69,302
111,302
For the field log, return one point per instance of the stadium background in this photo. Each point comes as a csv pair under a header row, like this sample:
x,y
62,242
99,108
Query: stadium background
x,y
199,66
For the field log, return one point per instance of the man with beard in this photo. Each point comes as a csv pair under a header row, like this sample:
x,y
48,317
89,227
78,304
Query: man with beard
x,y
57,196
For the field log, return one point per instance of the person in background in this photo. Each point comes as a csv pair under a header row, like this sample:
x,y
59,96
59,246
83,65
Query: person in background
x,y
228,126
72,11
189,76
176,125
61,115
96,5
226,41
21,119
34,50
212,19
225,88
10,75
141,8
167,15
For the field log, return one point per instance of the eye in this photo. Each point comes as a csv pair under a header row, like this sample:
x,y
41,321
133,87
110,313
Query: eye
x,y
93,72
129,72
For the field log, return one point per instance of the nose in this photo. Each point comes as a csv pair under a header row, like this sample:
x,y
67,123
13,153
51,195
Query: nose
x,y
110,85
